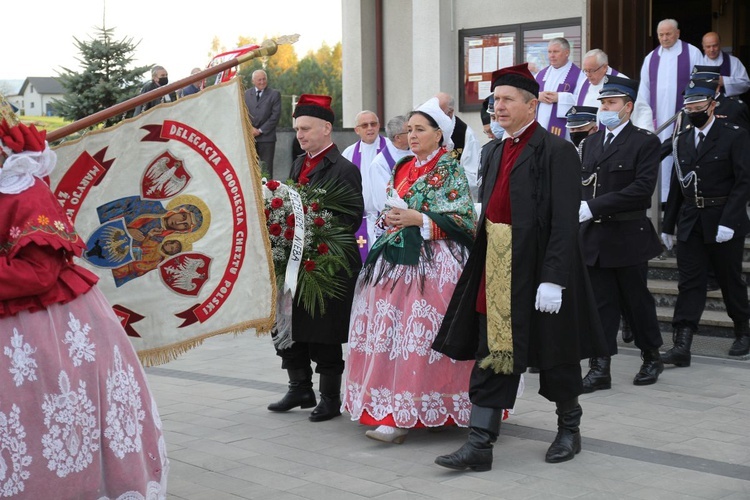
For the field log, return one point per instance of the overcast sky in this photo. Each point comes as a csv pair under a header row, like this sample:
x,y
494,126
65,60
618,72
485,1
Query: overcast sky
x,y
37,37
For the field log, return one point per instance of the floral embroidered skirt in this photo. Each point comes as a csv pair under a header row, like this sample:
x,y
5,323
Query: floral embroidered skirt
x,y
77,419
392,374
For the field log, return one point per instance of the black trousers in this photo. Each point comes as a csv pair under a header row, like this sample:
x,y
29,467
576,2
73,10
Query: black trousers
x,y
693,258
266,152
625,290
328,358
493,390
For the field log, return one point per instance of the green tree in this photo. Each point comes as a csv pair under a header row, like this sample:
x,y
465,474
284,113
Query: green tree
x,y
106,78
319,72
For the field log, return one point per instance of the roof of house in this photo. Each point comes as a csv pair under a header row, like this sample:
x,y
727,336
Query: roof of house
x,y
43,85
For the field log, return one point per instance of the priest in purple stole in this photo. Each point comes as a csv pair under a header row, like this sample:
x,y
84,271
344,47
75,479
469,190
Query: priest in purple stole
x,y
557,88
361,153
665,72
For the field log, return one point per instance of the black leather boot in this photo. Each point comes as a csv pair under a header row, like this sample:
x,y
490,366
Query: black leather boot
x,y
679,354
627,333
476,453
598,377
567,443
330,399
741,344
650,369
300,391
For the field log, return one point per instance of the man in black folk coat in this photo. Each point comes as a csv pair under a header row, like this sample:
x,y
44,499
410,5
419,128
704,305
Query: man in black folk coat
x,y
553,322
708,205
318,339
619,172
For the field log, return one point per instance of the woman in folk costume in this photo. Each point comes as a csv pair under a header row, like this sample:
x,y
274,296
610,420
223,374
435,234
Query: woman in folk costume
x,y
393,378
77,419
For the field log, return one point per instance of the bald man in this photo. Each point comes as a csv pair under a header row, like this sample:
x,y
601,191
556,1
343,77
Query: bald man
x,y
664,74
734,79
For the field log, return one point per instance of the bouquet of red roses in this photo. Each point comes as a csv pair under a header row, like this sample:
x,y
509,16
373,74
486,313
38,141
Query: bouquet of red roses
x,y
308,245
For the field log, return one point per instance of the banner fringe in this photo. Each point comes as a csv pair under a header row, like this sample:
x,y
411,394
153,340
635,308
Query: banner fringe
x,y
165,354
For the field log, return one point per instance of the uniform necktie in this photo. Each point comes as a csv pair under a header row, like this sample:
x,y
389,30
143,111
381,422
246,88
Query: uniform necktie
x,y
701,136
610,136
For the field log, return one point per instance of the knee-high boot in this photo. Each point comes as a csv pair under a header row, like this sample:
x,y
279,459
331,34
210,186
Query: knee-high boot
x,y
568,440
476,453
300,391
330,399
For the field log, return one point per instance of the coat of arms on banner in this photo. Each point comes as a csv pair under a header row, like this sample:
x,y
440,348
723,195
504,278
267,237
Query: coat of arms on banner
x,y
170,207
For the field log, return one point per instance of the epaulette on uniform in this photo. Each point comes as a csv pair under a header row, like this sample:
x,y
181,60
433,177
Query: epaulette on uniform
x,y
643,130
731,125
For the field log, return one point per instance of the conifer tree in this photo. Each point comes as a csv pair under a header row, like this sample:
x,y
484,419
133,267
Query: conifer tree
x,y
106,78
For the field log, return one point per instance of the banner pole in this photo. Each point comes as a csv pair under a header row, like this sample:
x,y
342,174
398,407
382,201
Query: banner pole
x,y
267,48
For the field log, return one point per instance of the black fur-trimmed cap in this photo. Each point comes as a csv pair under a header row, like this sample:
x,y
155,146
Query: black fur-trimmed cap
x,y
517,76
318,106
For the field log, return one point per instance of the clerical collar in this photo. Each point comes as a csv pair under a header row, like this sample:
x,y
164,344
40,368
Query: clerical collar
x,y
518,134
324,150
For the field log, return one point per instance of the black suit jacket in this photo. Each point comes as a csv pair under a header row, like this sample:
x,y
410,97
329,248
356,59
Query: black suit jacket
x,y
722,169
264,113
148,87
624,178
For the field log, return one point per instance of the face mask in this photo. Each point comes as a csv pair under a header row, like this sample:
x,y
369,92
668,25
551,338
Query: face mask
x,y
610,119
163,81
497,130
577,137
699,118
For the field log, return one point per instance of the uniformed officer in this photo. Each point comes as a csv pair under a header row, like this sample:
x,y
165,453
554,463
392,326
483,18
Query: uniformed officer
x,y
707,204
733,109
582,121
620,166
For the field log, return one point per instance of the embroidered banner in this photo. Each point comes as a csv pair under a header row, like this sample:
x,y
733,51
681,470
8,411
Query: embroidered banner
x,y
170,206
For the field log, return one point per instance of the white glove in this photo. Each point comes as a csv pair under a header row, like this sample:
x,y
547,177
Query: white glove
x,y
584,212
668,240
724,234
549,298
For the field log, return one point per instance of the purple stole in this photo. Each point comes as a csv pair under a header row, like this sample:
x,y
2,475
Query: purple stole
x,y
585,87
726,65
357,156
556,125
388,158
683,75
361,234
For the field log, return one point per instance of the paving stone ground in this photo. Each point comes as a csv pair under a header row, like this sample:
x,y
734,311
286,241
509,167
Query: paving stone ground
x,y
687,437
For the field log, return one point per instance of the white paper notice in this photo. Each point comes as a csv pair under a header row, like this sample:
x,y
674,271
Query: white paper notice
x,y
483,89
475,60
490,60
505,56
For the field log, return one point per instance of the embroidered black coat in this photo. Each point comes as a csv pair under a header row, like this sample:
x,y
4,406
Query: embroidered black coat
x,y
545,196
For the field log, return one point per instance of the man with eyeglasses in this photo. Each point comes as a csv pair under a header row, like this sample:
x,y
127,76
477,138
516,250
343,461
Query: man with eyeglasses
x,y
380,169
361,153
706,213
595,65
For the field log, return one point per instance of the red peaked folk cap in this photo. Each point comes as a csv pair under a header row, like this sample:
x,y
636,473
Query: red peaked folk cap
x,y
517,76
318,106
